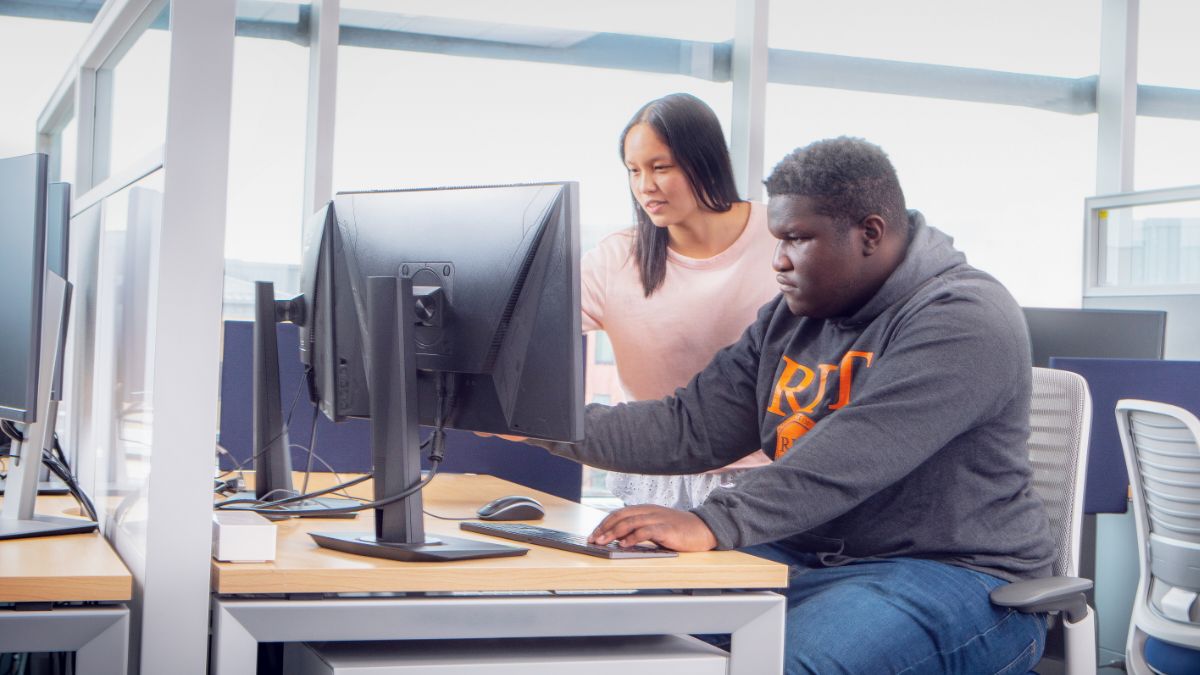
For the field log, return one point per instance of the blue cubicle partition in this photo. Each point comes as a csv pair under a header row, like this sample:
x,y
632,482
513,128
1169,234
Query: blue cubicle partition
x,y
347,446
1174,382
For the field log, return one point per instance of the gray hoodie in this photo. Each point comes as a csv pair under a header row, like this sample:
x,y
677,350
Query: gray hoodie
x,y
898,431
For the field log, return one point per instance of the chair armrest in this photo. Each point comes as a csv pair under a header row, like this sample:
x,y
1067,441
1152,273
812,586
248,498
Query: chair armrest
x,y
1061,594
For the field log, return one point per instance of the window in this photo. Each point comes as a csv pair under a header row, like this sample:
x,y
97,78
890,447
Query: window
x,y
408,119
1167,49
131,97
1150,246
44,49
266,171
125,227
1167,56
1006,182
1021,36
536,21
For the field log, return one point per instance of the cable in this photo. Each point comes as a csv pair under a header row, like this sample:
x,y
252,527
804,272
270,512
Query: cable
x,y
59,467
63,471
446,389
336,476
8,428
239,467
345,509
58,450
65,476
226,486
315,493
241,474
434,515
446,397
312,447
242,464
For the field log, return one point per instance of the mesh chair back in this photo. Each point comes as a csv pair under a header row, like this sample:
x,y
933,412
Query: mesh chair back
x,y
1162,453
1168,466
1060,419
1165,462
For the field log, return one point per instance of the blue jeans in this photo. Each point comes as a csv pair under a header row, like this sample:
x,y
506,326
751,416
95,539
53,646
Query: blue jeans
x,y
900,615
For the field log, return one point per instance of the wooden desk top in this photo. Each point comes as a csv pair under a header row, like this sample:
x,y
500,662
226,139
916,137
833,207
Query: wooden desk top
x,y
300,566
65,568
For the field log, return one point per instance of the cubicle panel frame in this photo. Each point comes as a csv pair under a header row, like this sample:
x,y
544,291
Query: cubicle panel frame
x,y
1095,235
170,609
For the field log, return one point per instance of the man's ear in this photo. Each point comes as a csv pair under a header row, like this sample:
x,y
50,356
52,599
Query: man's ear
x,y
873,230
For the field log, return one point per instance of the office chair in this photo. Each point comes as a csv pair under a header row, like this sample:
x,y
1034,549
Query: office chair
x,y
1163,458
1060,416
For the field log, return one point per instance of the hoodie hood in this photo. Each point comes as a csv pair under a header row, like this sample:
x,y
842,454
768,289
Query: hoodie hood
x,y
930,253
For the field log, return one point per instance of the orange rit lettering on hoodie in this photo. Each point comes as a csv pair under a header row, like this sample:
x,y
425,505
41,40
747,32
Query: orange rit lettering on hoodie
x,y
797,422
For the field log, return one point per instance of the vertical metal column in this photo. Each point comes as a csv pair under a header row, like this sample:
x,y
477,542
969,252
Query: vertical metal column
x,y
187,306
322,106
749,96
1116,96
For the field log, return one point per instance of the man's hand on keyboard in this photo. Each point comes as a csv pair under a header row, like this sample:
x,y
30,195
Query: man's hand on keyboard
x,y
670,528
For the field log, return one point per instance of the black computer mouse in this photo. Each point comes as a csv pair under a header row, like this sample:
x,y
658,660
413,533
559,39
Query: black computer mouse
x,y
513,507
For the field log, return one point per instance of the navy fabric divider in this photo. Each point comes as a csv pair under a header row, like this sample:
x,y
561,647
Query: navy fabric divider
x,y
1110,380
347,446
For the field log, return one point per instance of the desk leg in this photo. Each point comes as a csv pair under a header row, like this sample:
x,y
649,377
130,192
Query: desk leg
x,y
235,650
757,646
108,652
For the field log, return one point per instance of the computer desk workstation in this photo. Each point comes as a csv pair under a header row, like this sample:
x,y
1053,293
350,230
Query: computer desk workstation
x,y
66,593
316,594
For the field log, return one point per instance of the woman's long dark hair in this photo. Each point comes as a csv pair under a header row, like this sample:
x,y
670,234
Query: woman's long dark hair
x,y
691,130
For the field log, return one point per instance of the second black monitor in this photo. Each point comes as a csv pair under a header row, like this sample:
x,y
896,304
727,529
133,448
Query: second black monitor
x,y
1095,333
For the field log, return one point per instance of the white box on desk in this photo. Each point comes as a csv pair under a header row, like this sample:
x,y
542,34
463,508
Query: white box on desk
x,y
242,536
627,655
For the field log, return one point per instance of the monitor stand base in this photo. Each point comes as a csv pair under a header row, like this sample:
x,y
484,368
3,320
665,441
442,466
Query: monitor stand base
x,y
40,526
439,549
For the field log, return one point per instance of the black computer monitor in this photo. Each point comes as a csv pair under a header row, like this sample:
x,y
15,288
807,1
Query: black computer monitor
x,y
22,273
1095,333
36,298
448,307
58,218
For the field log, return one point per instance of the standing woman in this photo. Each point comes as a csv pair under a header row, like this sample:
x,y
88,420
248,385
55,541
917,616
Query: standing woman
x,y
685,281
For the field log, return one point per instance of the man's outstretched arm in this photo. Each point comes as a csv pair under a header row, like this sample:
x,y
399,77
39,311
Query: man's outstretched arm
x,y
708,424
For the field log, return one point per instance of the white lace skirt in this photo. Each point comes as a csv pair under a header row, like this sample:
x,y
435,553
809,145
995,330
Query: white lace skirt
x,y
677,492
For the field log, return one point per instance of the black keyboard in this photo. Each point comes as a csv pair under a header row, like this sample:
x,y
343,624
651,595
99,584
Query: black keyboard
x,y
567,541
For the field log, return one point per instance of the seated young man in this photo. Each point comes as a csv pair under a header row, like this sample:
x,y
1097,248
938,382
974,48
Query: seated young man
x,y
891,382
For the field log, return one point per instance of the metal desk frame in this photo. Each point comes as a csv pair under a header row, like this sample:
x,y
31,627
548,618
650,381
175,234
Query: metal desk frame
x,y
98,634
754,618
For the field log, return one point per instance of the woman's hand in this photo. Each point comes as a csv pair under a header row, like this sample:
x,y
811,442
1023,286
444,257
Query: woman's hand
x,y
669,528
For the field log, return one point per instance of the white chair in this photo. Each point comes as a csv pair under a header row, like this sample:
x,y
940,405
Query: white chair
x,y
1163,459
1060,420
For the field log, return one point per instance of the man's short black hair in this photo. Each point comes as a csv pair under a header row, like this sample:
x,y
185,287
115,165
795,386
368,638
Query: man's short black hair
x,y
847,178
